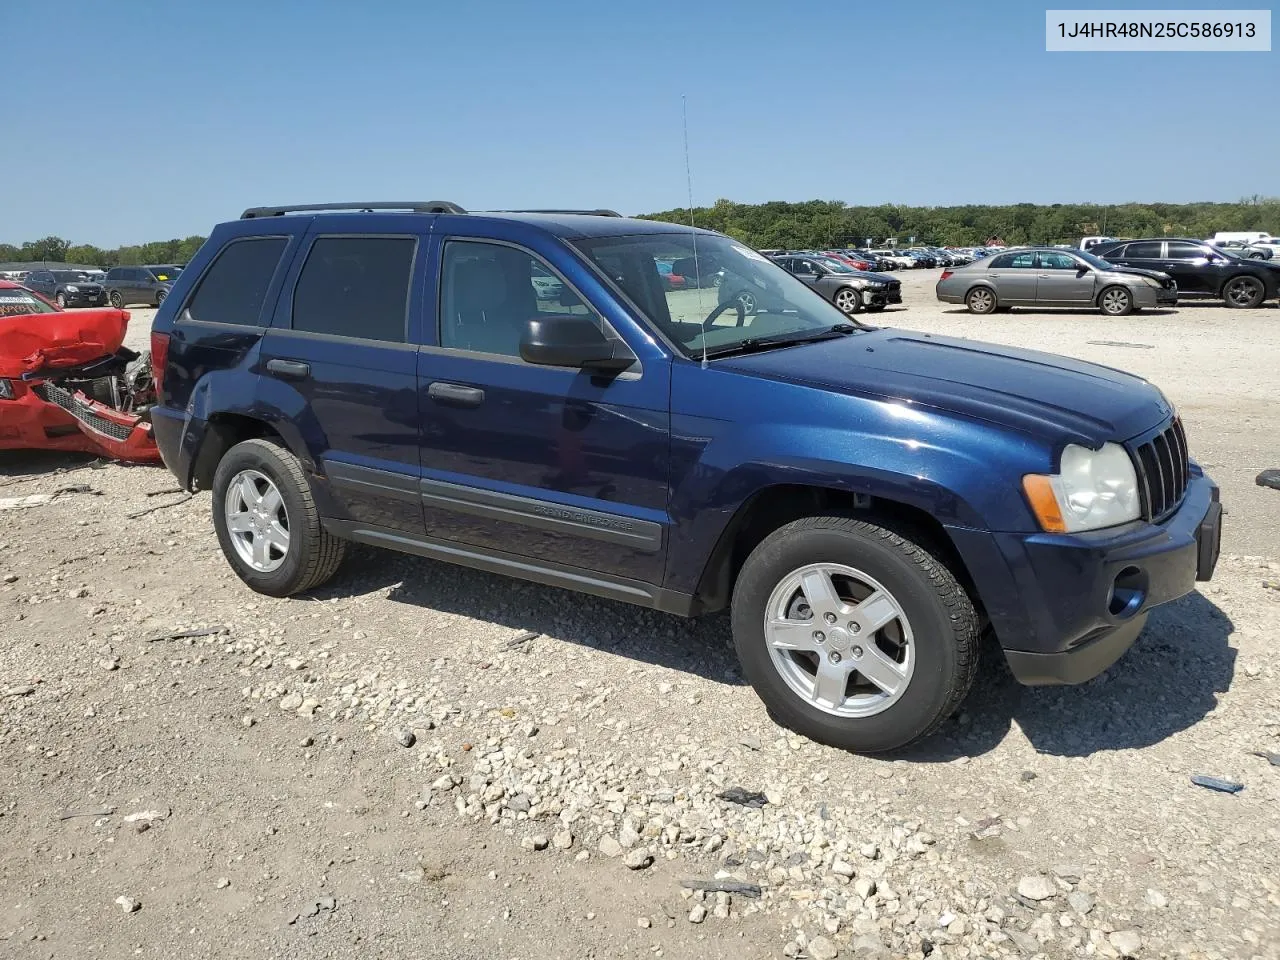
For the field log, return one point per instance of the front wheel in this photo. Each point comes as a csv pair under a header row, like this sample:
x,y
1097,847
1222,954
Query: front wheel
x,y
848,301
267,521
61,300
1116,302
160,295
852,634
1244,292
115,299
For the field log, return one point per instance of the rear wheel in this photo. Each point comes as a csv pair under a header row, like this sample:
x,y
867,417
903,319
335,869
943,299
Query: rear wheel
x,y
847,300
852,634
1115,302
1243,292
980,300
267,521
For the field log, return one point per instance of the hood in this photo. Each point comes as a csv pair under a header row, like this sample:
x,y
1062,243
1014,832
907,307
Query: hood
x,y
1153,274
872,277
1055,398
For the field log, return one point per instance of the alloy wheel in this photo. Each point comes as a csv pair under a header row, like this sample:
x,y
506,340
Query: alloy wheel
x,y
257,520
847,301
839,640
1243,291
1115,301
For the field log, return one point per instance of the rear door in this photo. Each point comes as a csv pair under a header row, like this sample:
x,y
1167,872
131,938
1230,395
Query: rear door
x,y
1014,277
1062,280
340,365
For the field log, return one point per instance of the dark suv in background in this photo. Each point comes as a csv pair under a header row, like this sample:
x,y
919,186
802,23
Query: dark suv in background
x,y
1199,268
145,284
67,288
868,503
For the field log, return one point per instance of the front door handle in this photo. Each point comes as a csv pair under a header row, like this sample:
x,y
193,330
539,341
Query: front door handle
x,y
289,369
455,394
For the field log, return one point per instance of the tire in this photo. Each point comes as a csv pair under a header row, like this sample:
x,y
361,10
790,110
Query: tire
x,y
748,301
1244,292
312,555
847,300
160,295
981,300
115,299
934,630
60,299
1115,301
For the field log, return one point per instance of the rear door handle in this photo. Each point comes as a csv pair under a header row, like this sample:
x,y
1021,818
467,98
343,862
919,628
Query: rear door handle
x,y
289,369
455,394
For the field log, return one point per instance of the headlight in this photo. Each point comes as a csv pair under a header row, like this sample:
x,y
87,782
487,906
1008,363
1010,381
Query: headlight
x,y
72,288
875,286
1151,282
1092,489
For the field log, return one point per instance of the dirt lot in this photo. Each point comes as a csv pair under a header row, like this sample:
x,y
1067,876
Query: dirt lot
x,y
282,814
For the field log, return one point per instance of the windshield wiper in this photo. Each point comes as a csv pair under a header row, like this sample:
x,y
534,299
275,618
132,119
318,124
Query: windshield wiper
x,y
754,344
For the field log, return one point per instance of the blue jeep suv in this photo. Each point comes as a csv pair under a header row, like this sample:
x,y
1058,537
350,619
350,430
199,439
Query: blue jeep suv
x,y
866,502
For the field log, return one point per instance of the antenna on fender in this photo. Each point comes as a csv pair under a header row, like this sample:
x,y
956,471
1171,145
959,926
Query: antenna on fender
x,y
693,229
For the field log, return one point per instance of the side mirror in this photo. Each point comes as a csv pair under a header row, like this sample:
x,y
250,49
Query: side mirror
x,y
572,341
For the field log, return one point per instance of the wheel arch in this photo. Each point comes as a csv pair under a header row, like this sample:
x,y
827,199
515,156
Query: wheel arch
x,y
222,432
773,506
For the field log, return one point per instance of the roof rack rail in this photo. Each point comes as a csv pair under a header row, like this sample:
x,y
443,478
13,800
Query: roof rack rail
x,y
590,213
430,206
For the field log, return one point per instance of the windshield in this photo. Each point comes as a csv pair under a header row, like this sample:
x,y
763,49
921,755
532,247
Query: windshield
x,y
16,303
753,299
1096,262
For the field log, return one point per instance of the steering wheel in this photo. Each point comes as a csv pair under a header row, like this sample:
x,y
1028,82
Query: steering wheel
x,y
731,302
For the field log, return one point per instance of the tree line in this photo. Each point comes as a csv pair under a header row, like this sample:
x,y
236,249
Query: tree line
x,y
832,223
58,250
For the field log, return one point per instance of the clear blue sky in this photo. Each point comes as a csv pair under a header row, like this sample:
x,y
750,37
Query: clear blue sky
x,y
146,120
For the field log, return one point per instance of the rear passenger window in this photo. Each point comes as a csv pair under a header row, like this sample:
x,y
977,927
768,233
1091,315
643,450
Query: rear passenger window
x,y
1143,250
356,287
236,285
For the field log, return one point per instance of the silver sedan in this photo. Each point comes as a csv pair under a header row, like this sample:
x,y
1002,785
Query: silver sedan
x,y
1052,277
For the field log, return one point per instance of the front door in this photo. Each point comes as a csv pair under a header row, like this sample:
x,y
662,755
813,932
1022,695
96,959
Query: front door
x,y
340,363
559,465
1195,267
1062,280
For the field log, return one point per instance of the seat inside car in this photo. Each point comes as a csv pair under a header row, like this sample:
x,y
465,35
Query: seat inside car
x,y
490,302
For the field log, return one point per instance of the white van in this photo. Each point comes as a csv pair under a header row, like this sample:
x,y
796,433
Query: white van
x,y
1088,242
1242,236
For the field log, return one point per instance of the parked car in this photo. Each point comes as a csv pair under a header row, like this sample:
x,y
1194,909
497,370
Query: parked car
x,y
1200,269
67,382
66,288
670,279
694,271
1047,277
1249,251
850,290
1242,236
145,284
900,260
867,503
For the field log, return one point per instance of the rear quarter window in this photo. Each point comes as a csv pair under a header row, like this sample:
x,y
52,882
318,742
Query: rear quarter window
x,y
234,289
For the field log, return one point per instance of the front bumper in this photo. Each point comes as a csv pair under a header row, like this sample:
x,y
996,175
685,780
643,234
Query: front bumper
x,y
82,299
1065,607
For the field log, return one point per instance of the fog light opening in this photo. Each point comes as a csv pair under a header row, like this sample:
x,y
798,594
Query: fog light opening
x,y
1127,593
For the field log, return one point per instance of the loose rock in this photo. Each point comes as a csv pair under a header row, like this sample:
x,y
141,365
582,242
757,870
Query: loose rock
x,y
129,905
638,859
698,913
1037,888
820,948
1126,942
610,847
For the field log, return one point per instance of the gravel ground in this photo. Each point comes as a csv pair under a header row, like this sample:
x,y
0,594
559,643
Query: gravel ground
x,y
425,761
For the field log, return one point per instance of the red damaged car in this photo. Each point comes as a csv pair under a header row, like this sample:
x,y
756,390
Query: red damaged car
x,y
68,383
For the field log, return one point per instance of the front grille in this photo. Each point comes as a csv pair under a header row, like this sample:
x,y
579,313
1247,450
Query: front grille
x,y
1162,472
67,401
